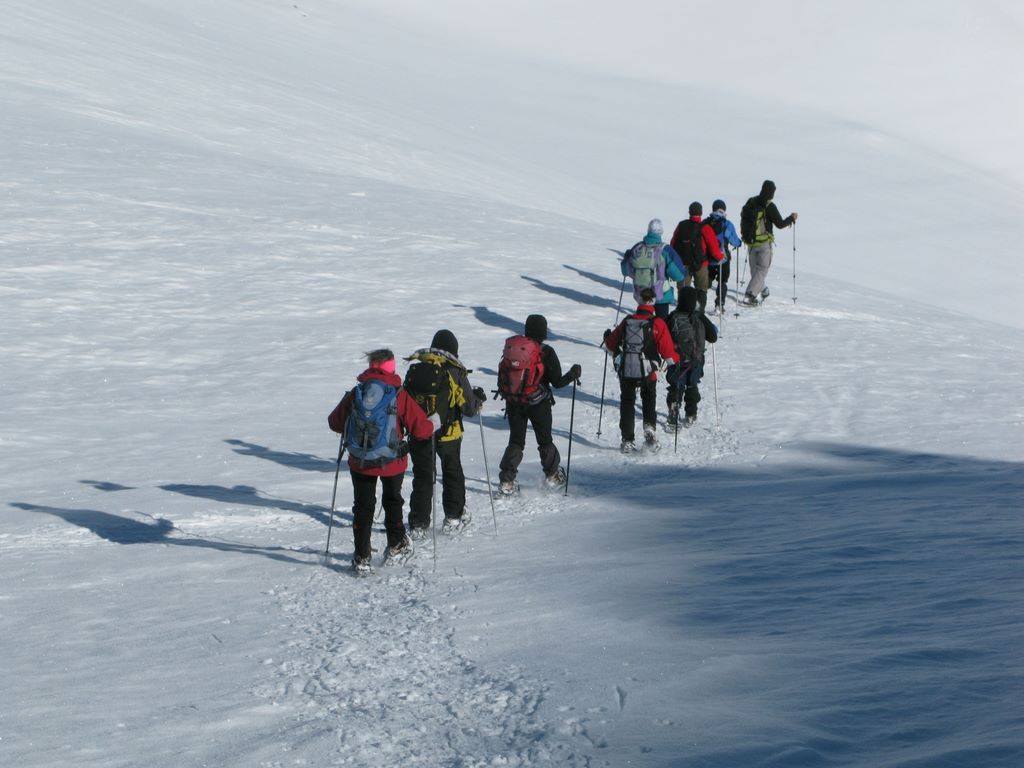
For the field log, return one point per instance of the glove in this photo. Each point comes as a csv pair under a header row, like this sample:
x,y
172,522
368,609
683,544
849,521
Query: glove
x,y
404,448
436,421
480,394
607,333
575,372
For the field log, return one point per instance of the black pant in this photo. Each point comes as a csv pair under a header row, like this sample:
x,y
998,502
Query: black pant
x,y
721,273
364,502
691,394
538,416
627,410
453,480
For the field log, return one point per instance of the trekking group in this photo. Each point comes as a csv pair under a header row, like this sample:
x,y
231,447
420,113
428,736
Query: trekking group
x,y
384,419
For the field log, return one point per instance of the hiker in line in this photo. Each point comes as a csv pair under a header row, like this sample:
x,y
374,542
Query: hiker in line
x,y
654,264
374,416
439,383
757,219
640,344
697,245
528,371
690,329
718,274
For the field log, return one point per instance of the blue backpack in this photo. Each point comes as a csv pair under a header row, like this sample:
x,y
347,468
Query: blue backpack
x,y
372,433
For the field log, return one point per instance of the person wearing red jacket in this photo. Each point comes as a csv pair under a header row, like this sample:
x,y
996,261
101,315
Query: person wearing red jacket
x,y
641,344
697,245
388,462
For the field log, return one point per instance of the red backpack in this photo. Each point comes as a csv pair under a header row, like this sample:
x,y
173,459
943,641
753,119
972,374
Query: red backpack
x,y
521,371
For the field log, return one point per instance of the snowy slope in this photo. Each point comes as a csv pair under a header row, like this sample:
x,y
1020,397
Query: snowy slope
x,y
209,213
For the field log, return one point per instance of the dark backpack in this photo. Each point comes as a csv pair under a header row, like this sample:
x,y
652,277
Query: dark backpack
x,y
689,335
429,383
372,434
521,370
638,355
688,242
717,224
748,219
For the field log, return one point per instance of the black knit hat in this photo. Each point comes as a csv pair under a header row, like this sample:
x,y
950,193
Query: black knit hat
x,y
696,209
445,339
768,189
536,327
718,205
688,298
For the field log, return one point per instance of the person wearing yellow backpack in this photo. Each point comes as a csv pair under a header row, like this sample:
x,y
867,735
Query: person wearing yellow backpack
x,y
757,219
439,382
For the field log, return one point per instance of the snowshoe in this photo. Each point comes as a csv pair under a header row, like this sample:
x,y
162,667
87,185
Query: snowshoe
x,y
555,480
627,446
508,488
361,566
419,533
650,440
690,420
399,553
453,526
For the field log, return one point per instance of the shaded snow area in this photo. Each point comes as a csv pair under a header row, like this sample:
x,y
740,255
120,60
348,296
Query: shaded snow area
x,y
208,215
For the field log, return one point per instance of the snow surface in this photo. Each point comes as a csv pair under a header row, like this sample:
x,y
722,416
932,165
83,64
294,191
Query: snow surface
x,y
210,211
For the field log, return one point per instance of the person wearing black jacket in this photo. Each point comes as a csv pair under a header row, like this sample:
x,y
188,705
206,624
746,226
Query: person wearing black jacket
x,y
536,414
762,239
683,378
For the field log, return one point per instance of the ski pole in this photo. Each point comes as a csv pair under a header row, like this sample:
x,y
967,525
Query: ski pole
x,y
334,495
604,377
568,458
487,471
794,262
714,362
433,494
618,307
679,402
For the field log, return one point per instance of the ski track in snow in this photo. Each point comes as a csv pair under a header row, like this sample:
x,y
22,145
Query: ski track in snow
x,y
392,684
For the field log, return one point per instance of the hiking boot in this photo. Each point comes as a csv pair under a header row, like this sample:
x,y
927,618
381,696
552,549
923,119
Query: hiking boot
x,y
399,552
628,446
419,533
749,300
765,293
690,420
650,439
456,524
361,565
556,479
508,487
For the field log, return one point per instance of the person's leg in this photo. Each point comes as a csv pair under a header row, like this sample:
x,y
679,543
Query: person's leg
x,y
513,456
627,410
391,498
649,403
364,501
541,421
453,496
760,257
422,483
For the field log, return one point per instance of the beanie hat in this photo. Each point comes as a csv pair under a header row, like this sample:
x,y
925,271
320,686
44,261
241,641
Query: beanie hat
x,y
688,298
536,327
696,209
718,205
445,339
768,189
655,228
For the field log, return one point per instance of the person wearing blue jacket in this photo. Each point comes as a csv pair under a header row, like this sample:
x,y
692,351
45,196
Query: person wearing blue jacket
x,y
727,236
654,264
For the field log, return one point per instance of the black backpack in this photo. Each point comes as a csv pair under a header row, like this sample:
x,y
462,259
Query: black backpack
x,y
748,219
688,242
689,335
430,386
